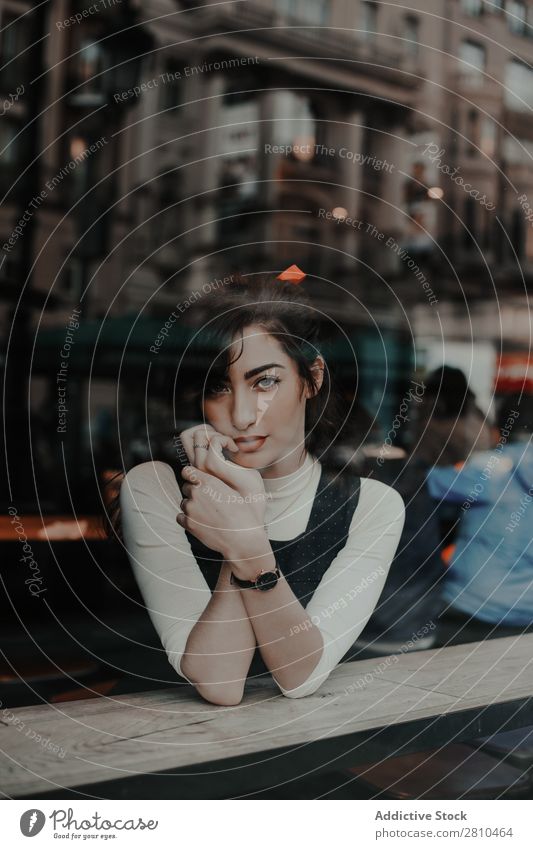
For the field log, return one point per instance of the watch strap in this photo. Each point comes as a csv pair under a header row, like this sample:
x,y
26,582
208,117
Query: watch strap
x,y
243,584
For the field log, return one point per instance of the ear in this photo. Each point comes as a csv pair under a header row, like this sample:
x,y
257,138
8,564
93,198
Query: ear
x,y
318,373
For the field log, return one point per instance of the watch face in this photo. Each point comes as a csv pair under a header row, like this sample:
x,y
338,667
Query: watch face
x,y
266,581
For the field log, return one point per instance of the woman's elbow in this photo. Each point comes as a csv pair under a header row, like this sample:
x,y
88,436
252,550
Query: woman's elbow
x,y
290,694
307,688
220,694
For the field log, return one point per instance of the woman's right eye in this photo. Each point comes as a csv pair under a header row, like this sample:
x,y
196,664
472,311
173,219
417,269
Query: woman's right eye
x,y
216,388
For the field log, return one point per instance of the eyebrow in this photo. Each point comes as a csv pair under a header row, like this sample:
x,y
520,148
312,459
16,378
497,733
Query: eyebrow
x,y
261,368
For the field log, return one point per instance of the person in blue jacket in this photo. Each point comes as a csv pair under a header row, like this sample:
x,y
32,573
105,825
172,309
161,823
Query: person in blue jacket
x,y
490,576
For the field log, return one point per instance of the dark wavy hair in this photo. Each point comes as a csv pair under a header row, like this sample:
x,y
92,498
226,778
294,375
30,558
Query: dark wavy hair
x,y
286,312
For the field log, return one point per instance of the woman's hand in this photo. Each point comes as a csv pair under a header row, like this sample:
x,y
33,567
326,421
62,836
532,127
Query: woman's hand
x,y
193,438
224,504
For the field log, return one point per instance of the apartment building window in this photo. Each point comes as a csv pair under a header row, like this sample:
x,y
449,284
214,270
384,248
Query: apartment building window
x,y
518,91
238,140
172,87
472,7
8,154
470,223
517,16
472,132
12,44
411,36
285,7
87,65
473,60
529,244
486,229
517,232
308,11
11,41
488,136
295,120
517,151
8,146
369,20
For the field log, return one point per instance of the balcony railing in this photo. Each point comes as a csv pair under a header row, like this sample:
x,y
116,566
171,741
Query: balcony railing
x,y
477,87
518,124
299,37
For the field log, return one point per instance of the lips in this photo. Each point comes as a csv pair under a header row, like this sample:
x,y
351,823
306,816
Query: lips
x,y
250,443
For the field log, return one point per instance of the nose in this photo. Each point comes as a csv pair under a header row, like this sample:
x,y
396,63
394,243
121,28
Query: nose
x,y
244,410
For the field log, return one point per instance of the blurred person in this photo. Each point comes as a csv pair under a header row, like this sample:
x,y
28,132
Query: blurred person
x,y
406,615
490,576
265,561
449,424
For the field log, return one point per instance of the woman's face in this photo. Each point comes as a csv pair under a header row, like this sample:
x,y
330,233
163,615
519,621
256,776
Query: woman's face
x,y
263,396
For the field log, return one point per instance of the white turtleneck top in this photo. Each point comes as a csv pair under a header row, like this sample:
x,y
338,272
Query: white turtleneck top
x,y
176,593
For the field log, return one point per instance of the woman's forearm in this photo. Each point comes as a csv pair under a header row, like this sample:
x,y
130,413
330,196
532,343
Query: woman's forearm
x,y
221,645
290,644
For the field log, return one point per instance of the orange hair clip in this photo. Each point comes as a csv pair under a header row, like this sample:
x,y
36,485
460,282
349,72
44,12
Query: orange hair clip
x,y
292,274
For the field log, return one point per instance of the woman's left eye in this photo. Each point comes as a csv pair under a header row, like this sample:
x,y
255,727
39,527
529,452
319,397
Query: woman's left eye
x,y
273,381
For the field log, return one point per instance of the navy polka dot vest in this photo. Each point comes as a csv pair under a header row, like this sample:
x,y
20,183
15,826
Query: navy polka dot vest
x,y
304,559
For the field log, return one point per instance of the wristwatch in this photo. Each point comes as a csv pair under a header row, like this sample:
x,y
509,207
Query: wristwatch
x,y
266,580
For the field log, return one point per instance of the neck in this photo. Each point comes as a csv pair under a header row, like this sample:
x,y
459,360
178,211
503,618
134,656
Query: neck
x,y
286,466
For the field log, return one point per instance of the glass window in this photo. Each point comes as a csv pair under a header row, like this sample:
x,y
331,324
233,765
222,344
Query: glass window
x,y
308,11
472,59
12,44
411,35
171,87
516,16
518,92
472,7
11,38
529,24
470,222
88,63
8,146
472,132
295,122
517,151
286,8
369,20
473,54
313,11
238,141
529,243
517,232
488,138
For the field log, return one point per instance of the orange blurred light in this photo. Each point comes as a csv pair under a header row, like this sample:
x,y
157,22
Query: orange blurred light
x,y
339,212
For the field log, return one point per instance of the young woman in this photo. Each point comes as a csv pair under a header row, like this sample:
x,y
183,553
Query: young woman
x,y
264,561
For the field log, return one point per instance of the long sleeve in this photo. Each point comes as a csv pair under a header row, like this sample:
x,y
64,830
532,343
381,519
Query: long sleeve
x,y
349,591
176,593
478,480
172,585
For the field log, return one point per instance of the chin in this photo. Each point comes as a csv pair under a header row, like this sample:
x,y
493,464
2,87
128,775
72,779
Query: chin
x,y
250,462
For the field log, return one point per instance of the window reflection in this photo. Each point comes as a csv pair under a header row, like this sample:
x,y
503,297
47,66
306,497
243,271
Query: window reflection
x,y
369,20
518,91
308,11
295,120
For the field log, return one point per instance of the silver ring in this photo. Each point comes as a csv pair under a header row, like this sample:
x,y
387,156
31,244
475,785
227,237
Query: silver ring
x,y
200,446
